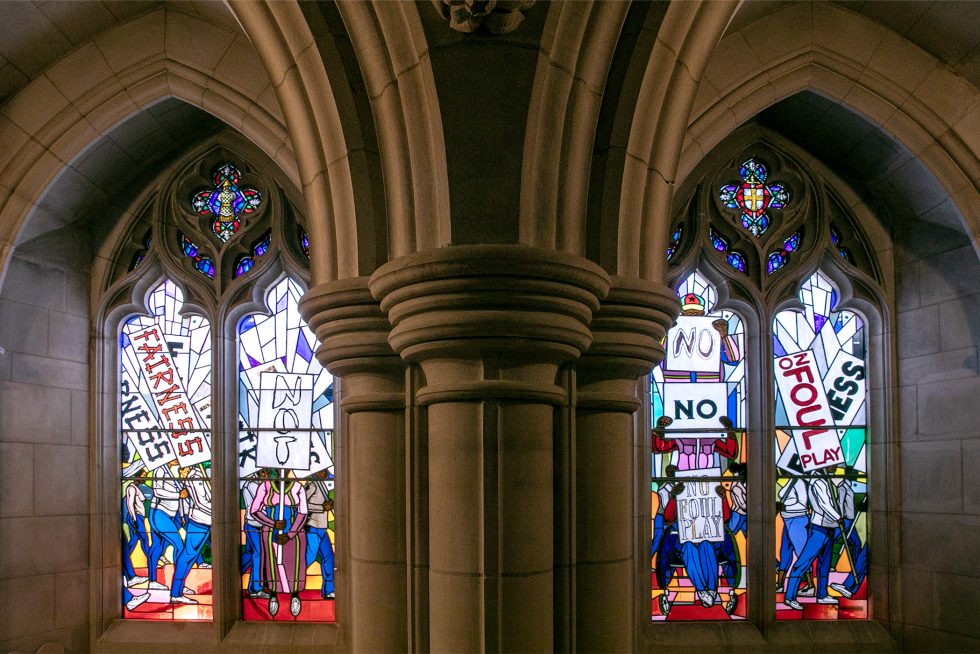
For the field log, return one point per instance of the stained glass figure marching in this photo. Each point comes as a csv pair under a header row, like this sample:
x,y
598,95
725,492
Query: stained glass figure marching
x,y
754,197
821,458
226,202
165,413
698,477
285,464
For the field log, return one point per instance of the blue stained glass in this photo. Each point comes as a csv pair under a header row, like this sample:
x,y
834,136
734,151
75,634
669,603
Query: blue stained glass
x,y
201,263
206,266
262,246
792,243
304,242
754,197
717,241
245,264
226,201
188,247
727,196
736,261
303,348
248,322
675,240
753,171
775,261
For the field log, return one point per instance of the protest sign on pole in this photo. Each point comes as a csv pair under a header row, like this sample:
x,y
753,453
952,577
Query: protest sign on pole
x,y
693,345
696,405
176,413
285,405
700,514
808,411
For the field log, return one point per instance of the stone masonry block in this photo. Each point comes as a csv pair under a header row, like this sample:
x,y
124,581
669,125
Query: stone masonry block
x,y
46,371
971,478
34,414
28,605
918,332
950,275
34,546
959,323
937,367
946,543
949,407
16,479
68,337
24,328
932,478
60,480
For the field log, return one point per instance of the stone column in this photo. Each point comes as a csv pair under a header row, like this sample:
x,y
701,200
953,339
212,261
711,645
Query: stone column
x,y
628,331
371,464
490,326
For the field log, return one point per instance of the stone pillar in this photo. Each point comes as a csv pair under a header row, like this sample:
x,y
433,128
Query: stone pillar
x,y
628,331
490,326
371,502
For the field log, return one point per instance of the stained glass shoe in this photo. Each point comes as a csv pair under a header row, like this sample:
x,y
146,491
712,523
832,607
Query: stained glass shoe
x,y
295,606
842,589
273,605
137,600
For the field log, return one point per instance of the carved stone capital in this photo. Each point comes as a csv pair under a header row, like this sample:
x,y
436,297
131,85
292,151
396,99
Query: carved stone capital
x,y
350,327
472,300
628,332
490,321
497,16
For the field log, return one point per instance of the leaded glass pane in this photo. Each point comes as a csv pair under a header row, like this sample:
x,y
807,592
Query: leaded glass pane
x,y
165,495
285,457
698,550
821,458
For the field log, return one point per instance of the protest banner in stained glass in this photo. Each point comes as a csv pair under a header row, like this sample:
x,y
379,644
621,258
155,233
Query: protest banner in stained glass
x,y
698,485
285,462
819,365
165,495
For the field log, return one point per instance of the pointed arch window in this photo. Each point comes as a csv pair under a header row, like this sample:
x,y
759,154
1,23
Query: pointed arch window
x,y
215,376
785,258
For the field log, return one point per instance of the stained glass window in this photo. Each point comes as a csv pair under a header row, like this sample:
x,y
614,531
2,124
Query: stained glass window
x,y
304,242
165,494
778,259
285,457
753,197
203,264
734,258
165,411
675,240
821,458
226,202
698,548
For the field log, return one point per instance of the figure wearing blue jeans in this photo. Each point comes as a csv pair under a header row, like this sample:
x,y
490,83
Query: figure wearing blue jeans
x,y
320,503
826,516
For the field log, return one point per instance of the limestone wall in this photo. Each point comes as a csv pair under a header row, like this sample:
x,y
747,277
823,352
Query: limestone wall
x,y
44,537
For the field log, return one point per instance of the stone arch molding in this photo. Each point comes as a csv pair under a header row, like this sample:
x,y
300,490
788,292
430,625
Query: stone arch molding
x,y
124,70
577,49
898,87
666,95
390,46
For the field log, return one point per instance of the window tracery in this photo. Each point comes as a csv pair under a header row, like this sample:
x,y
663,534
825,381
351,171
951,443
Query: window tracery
x,y
236,276
775,259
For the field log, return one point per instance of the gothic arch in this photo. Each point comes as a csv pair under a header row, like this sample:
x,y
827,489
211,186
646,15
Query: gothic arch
x,y
853,61
102,83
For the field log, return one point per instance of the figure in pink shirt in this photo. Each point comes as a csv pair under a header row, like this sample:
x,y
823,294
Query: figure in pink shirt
x,y
280,507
